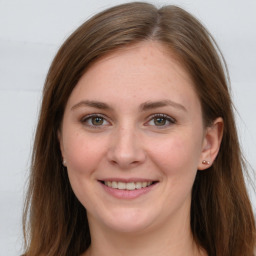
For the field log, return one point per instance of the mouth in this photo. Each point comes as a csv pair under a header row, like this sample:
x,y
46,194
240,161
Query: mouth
x,y
136,185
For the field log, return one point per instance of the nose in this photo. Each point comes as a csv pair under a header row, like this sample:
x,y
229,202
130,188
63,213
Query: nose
x,y
126,150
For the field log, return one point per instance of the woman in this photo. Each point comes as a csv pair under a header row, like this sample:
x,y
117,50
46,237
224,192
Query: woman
x,y
136,150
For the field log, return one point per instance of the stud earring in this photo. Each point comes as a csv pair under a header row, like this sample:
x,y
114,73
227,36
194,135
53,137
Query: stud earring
x,y
64,162
205,162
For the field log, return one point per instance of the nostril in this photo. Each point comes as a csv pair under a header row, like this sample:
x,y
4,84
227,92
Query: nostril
x,y
113,162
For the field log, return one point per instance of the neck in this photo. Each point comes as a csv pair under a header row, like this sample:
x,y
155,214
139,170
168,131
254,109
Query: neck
x,y
170,239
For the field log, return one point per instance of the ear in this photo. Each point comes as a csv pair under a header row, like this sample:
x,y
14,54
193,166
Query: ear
x,y
211,144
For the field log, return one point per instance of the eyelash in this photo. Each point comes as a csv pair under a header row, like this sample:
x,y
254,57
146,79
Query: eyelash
x,y
88,118
163,116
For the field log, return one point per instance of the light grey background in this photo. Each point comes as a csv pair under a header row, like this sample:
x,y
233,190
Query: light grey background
x,y
30,34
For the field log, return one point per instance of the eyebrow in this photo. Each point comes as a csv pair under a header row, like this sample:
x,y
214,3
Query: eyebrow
x,y
93,104
162,103
143,107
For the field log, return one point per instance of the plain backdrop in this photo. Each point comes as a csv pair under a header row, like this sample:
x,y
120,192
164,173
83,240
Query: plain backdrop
x,y
30,34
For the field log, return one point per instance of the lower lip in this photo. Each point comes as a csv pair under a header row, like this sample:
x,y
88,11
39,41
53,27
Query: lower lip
x,y
127,194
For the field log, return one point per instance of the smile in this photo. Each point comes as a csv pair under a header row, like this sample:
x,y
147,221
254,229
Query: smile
x,y
127,185
128,189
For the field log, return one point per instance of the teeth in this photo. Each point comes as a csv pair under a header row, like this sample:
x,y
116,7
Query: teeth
x,y
114,184
138,185
144,184
130,186
120,185
127,186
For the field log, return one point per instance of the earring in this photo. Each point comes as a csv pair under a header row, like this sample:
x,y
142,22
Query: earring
x,y
205,162
64,162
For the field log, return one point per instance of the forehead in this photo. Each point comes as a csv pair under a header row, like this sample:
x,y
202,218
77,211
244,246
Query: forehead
x,y
146,70
145,55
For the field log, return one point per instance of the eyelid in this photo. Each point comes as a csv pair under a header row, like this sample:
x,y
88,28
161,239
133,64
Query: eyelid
x,y
171,119
93,115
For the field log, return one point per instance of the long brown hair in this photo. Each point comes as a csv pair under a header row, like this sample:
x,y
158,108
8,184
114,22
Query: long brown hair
x,y
222,221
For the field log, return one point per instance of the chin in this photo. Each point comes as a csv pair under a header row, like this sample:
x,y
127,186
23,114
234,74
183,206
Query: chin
x,y
128,221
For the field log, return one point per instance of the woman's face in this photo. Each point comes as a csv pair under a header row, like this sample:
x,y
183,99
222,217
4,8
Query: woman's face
x,y
133,139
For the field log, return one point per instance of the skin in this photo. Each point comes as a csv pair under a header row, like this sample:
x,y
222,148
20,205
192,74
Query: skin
x,y
128,142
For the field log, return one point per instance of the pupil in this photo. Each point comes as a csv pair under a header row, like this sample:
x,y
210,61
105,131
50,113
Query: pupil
x,y
97,120
160,121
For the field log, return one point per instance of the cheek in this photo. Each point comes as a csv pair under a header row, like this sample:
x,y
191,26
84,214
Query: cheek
x,y
82,153
177,154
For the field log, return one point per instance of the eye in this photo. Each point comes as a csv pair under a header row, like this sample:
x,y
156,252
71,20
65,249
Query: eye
x,y
95,121
160,120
